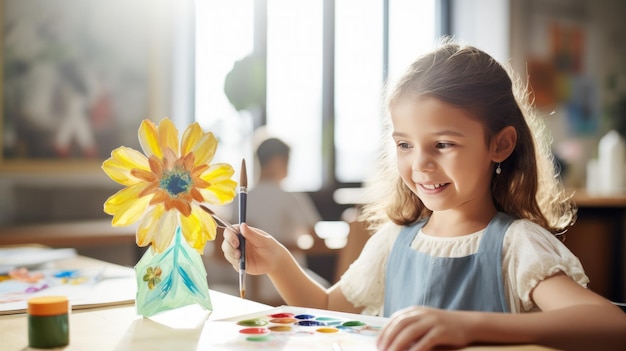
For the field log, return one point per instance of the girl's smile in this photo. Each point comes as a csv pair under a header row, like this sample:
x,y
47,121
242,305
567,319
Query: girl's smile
x,y
434,187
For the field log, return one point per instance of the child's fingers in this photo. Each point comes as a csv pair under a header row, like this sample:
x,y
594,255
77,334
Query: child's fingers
x,y
246,231
230,246
253,234
260,247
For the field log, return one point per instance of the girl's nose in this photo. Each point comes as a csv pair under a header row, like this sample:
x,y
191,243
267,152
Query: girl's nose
x,y
422,162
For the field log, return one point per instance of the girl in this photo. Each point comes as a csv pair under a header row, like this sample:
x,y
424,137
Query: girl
x,y
469,206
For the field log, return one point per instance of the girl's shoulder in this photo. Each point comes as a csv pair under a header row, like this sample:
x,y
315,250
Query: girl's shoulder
x,y
523,233
525,226
531,253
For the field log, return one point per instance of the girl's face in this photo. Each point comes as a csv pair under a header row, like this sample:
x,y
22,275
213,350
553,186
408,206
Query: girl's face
x,y
442,155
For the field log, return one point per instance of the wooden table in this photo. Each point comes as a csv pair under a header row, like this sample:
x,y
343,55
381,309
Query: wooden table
x,y
120,328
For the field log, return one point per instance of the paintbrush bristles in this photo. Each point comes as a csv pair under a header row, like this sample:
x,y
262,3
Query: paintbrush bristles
x,y
243,177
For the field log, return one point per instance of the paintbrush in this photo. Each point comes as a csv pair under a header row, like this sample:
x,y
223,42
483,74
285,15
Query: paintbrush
x,y
243,199
220,221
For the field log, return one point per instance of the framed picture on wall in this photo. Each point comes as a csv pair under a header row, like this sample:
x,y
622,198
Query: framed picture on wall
x,y
78,76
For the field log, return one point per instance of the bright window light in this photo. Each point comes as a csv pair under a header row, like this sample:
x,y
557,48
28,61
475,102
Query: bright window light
x,y
294,87
411,32
358,86
224,34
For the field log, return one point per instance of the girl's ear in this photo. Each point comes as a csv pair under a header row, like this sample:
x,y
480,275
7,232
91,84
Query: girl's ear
x,y
503,144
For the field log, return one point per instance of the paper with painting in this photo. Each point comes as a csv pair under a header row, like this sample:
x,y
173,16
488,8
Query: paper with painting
x,y
30,272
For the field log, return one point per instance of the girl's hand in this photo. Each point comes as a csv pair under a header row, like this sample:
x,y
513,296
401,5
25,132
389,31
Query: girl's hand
x,y
263,252
421,328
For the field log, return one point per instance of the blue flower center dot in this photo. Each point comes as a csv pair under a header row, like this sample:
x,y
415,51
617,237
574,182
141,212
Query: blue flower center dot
x,y
176,182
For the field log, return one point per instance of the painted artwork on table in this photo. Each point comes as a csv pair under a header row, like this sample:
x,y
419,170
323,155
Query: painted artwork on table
x,y
78,76
293,328
27,272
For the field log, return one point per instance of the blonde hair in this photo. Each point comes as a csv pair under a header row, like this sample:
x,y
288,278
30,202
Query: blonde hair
x,y
470,79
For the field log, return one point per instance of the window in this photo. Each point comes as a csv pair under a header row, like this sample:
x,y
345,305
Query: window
x,y
327,62
358,86
411,32
223,36
294,86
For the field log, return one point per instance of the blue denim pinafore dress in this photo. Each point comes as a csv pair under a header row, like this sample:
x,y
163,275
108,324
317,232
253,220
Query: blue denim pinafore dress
x,y
470,283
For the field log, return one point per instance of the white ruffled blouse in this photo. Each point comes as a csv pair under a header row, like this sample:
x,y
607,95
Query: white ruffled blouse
x,y
530,254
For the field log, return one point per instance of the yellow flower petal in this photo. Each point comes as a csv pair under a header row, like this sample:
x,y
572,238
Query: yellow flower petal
x,y
168,135
205,149
222,187
122,161
126,206
164,232
149,224
198,228
149,139
192,135
219,193
218,172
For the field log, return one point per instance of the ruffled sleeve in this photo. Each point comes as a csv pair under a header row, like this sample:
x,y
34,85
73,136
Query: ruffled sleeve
x,y
363,284
532,254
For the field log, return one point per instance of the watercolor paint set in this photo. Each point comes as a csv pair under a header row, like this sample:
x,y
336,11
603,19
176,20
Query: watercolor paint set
x,y
293,328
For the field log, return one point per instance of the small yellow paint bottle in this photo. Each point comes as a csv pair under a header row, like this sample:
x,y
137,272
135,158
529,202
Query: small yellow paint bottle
x,y
48,321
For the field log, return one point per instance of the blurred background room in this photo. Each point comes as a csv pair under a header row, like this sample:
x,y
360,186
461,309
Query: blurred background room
x,y
79,76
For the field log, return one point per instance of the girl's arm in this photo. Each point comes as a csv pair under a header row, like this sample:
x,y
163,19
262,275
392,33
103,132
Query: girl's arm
x,y
572,318
265,255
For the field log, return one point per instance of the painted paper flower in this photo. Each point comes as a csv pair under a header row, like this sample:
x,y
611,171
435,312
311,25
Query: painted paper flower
x,y
166,184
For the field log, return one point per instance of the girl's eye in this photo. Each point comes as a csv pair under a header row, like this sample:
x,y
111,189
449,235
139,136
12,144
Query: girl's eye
x,y
444,145
404,146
